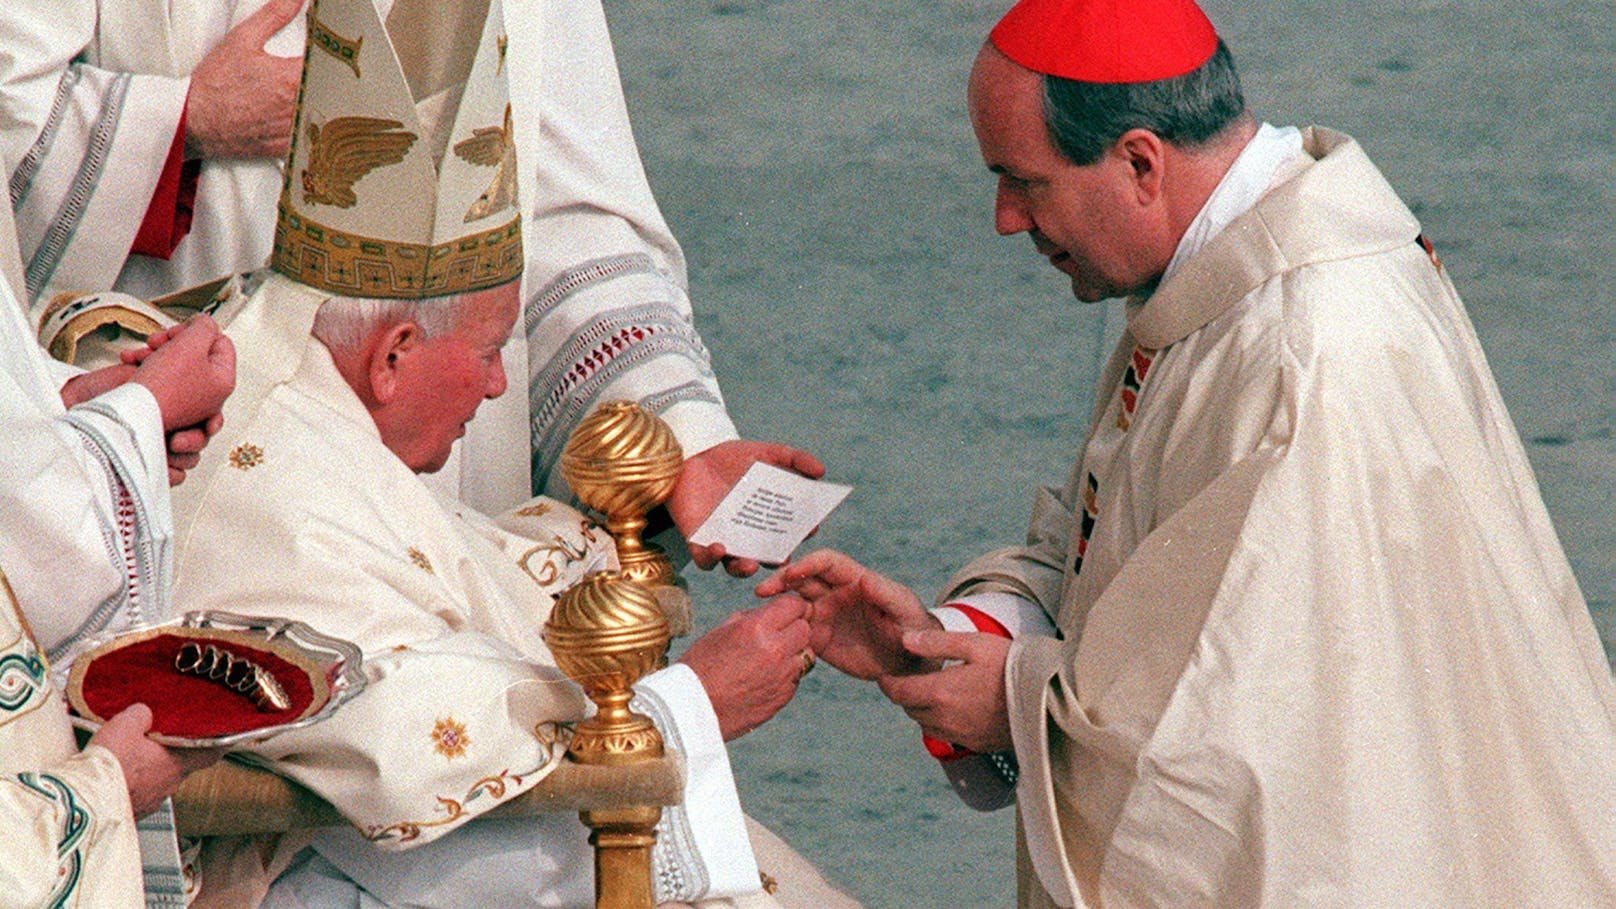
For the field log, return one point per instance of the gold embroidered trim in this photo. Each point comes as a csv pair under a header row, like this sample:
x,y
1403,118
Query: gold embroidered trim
x,y
246,456
346,51
405,831
328,259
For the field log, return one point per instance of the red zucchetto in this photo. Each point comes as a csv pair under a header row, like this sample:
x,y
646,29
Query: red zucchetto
x,y
1106,40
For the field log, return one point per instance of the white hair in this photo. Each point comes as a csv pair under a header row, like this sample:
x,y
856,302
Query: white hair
x,y
343,323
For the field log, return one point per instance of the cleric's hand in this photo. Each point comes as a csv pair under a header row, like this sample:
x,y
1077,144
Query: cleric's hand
x,y
750,664
859,617
151,771
707,477
242,99
190,369
963,703
87,385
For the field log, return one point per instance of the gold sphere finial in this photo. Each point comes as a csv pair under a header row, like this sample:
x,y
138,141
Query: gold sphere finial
x,y
607,632
623,461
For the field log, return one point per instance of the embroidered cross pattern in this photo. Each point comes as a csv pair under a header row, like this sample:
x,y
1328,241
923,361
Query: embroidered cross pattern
x,y
1133,384
1091,513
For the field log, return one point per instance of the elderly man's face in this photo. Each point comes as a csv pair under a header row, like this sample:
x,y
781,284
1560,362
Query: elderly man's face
x,y
1084,219
443,380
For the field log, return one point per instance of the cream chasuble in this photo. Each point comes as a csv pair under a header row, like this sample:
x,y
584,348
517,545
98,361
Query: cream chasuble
x,y
1318,642
299,510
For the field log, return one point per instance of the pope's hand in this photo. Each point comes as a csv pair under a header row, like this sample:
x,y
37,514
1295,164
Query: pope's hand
x,y
242,99
750,664
963,703
151,771
859,616
707,477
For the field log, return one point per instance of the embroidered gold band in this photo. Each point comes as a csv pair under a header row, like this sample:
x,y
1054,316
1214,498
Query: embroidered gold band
x,y
321,36
311,253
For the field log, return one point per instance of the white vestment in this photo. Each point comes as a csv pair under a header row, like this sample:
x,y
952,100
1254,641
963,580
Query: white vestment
x,y
299,510
85,498
92,92
1318,643
85,548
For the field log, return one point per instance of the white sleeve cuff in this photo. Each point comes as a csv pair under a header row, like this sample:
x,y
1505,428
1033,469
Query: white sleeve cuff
x,y
699,425
137,409
713,822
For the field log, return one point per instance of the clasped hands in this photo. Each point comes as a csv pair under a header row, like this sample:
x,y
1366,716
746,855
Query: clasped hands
x,y
871,627
189,369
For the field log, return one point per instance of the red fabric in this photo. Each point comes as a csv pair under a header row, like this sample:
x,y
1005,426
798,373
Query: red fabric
x,y
986,624
186,705
168,215
1106,40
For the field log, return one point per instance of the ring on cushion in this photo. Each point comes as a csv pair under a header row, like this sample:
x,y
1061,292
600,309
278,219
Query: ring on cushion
x,y
239,674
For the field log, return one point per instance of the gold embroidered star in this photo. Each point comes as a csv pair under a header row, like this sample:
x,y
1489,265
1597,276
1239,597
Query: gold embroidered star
x,y
246,456
450,738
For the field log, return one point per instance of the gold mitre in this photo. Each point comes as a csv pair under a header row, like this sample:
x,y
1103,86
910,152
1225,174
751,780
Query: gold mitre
x,y
402,176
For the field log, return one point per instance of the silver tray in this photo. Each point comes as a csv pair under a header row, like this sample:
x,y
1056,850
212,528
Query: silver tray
x,y
333,667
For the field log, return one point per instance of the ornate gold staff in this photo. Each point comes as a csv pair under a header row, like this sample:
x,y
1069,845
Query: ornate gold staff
x,y
623,461
606,633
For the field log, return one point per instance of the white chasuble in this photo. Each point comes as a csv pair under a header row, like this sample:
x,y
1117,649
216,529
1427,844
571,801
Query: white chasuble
x,y
298,510
1318,643
85,498
96,90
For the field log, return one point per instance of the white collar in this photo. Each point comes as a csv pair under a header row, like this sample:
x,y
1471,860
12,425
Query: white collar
x,y
1247,179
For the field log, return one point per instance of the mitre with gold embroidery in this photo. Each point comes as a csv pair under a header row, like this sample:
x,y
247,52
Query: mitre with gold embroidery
x,y
401,180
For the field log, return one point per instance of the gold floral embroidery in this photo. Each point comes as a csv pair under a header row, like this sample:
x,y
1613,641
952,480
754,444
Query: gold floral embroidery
x,y
450,738
536,510
489,786
246,456
543,563
420,560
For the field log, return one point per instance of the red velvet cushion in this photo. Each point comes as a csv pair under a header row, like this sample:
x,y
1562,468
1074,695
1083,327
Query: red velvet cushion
x,y
187,706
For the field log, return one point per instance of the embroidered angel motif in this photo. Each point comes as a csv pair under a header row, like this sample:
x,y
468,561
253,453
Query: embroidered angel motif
x,y
492,146
347,148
